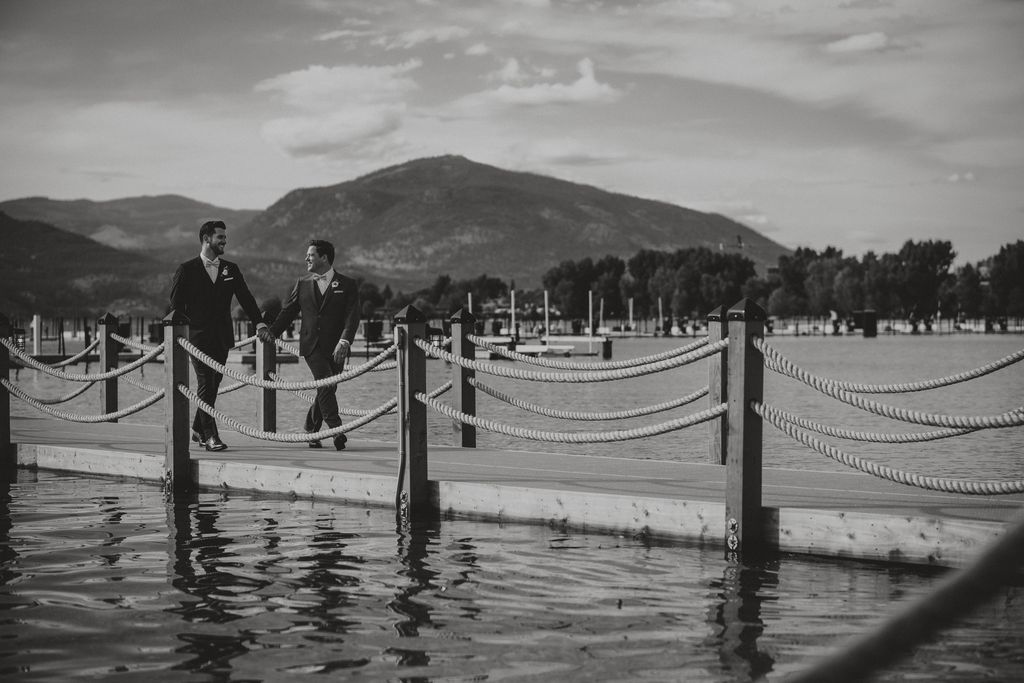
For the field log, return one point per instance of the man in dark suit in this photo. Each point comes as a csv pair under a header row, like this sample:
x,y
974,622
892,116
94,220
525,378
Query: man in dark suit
x,y
202,291
329,304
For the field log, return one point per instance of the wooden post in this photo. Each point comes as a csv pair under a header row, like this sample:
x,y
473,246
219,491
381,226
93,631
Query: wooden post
x,y
6,450
177,462
717,388
108,351
464,394
266,365
745,384
413,500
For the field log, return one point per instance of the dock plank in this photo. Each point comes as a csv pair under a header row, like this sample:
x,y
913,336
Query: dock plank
x,y
823,513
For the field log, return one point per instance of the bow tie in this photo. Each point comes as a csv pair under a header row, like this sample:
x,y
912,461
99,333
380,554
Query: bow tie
x,y
215,263
320,278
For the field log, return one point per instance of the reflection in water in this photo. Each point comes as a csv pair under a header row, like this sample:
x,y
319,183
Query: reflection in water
x,y
102,577
737,617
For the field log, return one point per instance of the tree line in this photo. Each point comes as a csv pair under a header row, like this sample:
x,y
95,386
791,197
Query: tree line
x,y
916,283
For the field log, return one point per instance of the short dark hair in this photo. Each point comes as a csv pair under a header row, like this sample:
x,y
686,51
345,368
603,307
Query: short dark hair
x,y
323,248
209,227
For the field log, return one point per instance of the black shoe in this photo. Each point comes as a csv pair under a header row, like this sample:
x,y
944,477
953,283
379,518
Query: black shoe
x,y
215,444
339,442
196,438
315,444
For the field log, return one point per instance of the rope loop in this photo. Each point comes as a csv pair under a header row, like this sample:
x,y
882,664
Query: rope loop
x,y
596,376
984,488
78,377
587,367
588,416
77,417
572,437
78,356
286,437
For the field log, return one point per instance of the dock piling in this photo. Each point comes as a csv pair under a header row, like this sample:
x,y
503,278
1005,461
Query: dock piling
x,y
266,367
463,393
744,384
108,350
413,500
717,388
7,453
177,461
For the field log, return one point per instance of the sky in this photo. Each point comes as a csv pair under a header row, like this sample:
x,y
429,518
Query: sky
x,y
857,124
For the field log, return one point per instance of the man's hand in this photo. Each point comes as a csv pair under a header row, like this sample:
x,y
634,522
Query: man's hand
x,y
341,351
264,335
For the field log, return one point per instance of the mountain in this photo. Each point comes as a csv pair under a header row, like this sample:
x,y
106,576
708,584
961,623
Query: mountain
x,y
404,225
50,271
166,224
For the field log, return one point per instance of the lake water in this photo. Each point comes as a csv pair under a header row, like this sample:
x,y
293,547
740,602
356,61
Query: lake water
x,y
108,580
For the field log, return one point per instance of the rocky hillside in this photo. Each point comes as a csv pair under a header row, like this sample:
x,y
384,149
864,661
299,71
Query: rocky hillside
x,y
407,224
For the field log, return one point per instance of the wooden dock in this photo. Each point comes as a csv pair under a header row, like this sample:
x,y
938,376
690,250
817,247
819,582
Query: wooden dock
x,y
849,515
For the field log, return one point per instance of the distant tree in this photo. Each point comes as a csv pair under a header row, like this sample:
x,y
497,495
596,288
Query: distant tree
x,y
968,293
923,270
1006,280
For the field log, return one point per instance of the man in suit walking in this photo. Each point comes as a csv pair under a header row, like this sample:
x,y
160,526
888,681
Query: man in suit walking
x,y
329,305
202,291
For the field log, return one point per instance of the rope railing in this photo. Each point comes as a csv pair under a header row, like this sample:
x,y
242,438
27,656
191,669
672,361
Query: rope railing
x,y
355,412
64,398
874,437
78,377
132,344
597,376
572,437
784,366
78,356
255,381
286,437
986,488
588,367
1011,418
77,417
128,379
581,416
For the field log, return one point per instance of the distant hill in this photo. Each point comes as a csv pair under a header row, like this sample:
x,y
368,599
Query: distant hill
x,y
50,271
167,225
407,224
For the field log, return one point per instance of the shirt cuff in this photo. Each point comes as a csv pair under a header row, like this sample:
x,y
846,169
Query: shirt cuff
x,y
260,326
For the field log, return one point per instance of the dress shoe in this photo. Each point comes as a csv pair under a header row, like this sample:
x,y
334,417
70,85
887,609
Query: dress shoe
x,y
196,438
315,444
339,442
215,444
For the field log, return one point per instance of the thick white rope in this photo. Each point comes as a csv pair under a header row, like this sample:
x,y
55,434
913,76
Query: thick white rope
x,y
132,344
139,385
587,367
65,398
77,377
793,371
585,416
984,488
76,417
255,381
78,356
874,437
573,437
286,437
598,376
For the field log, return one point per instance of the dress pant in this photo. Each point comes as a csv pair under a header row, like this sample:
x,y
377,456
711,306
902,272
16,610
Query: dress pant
x,y
325,407
207,384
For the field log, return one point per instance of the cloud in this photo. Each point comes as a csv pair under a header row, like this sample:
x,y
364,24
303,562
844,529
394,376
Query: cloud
x,y
965,177
584,90
864,42
344,109
418,36
478,49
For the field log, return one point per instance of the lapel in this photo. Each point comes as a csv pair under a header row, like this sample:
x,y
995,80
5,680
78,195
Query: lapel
x,y
321,299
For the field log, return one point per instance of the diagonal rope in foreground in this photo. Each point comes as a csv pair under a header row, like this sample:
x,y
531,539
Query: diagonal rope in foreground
x,y
984,488
77,377
573,437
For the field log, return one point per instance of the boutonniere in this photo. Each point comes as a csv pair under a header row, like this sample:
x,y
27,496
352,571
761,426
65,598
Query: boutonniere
x,y
334,284
224,272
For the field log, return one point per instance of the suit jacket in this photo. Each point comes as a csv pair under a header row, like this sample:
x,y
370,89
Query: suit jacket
x,y
208,304
324,323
